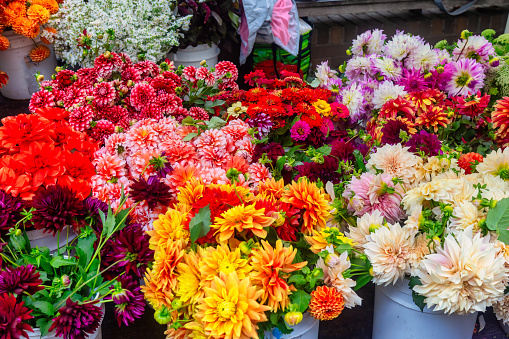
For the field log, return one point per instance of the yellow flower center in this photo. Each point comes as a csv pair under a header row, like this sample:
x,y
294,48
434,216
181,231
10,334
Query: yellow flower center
x,y
226,309
226,266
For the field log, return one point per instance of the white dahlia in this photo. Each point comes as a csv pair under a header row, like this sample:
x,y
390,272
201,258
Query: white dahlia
x,y
496,163
387,91
466,214
358,234
394,160
388,250
464,276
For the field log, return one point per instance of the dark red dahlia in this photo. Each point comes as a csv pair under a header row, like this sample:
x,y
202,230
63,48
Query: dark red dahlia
x,y
153,191
129,301
424,142
290,227
76,321
90,213
65,78
102,130
391,131
131,247
13,317
10,211
342,150
325,172
55,208
19,280
273,151
107,63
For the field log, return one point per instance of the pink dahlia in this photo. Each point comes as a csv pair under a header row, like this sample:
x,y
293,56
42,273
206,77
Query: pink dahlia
x,y
74,95
147,69
198,113
189,73
204,74
179,152
226,69
213,157
131,73
109,166
212,137
102,130
168,103
115,144
87,75
142,136
465,77
141,95
107,63
300,130
80,118
41,99
375,192
258,172
104,94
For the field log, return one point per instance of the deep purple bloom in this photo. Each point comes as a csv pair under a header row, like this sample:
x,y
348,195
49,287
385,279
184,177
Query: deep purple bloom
x,y
391,131
20,279
56,207
76,321
325,172
316,138
129,301
262,123
424,142
342,150
10,211
90,213
131,247
161,165
413,80
273,150
153,191
13,317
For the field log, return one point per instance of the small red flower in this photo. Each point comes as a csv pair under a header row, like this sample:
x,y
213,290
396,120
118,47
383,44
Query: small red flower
x,y
468,161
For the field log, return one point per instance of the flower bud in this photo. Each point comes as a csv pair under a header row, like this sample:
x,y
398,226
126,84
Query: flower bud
x,y
107,54
58,69
124,89
176,304
348,52
244,248
331,259
130,83
493,203
448,209
18,232
53,77
40,78
437,240
293,318
65,280
494,62
465,34
203,63
427,75
100,37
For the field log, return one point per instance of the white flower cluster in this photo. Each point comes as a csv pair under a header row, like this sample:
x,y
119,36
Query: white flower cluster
x,y
146,27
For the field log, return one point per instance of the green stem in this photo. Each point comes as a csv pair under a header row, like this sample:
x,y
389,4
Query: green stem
x,y
58,242
8,259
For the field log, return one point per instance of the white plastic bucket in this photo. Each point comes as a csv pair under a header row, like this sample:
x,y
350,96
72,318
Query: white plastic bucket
x,y
192,56
21,70
307,329
36,334
41,239
397,317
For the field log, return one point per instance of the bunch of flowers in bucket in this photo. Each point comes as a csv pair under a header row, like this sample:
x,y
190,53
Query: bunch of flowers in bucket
x,y
140,29
235,264
26,19
451,242
381,69
60,293
39,150
155,158
115,92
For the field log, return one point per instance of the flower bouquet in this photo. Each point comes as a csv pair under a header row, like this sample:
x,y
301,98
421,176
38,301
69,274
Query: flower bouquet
x,y
140,29
230,263
60,294
115,93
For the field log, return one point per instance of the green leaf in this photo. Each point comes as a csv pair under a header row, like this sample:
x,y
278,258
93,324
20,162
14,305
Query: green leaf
x,y
362,280
271,237
359,160
280,163
215,123
43,325
18,242
298,279
301,299
274,318
199,226
325,149
498,220
418,299
59,261
190,136
85,248
121,217
188,121
44,307
108,221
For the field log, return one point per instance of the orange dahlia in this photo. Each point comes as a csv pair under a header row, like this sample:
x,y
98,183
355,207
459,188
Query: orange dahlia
x,y
466,161
39,53
189,287
38,14
270,270
222,259
314,201
154,292
50,5
15,9
272,188
26,27
500,117
166,259
326,303
241,218
230,309
190,193
170,226
48,35
4,43
433,118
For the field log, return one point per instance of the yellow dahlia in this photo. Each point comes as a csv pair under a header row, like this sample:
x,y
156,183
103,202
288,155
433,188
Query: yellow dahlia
x,y
326,303
154,293
166,259
230,309
272,188
196,329
189,277
500,117
270,269
191,192
51,5
39,53
314,201
221,259
322,107
241,218
170,226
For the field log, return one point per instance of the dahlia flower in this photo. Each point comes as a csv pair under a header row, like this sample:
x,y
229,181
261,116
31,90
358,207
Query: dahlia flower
x,y
394,160
424,142
466,215
500,117
230,309
475,47
152,191
496,163
326,303
20,280
412,80
13,317
10,211
387,91
76,321
365,223
465,77
369,42
222,259
501,309
241,218
388,250
300,130
189,289
464,276
128,299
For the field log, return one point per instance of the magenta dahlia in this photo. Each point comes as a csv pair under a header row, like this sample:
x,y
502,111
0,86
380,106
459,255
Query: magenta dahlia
x,y
424,142
107,63
464,77
131,73
74,96
13,318
199,113
104,94
102,130
41,99
128,299
141,95
10,211
17,280
76,321
80,117
300,131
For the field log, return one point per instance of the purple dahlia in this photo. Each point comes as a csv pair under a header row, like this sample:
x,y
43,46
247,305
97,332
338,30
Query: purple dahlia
x,y
76,321
20,279
153,191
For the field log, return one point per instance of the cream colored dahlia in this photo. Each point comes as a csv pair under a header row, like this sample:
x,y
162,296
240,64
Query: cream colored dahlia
x,y
501,309
496,163
388,250
465,215
418,251
394,160
436,190
333,277
462,190
496,187
414,220
358,234
464,276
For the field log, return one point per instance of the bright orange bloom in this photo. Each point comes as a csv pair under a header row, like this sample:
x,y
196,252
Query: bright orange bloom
x,y
3,79
467,160
43,161
26,27
51,5
241,218
170,226
39,53
272,188
307,196
326,303
166,258
237,162
190,193
14,10
4,43
270,271
23,129
15,184
500,116
38,14
433,118
154,292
